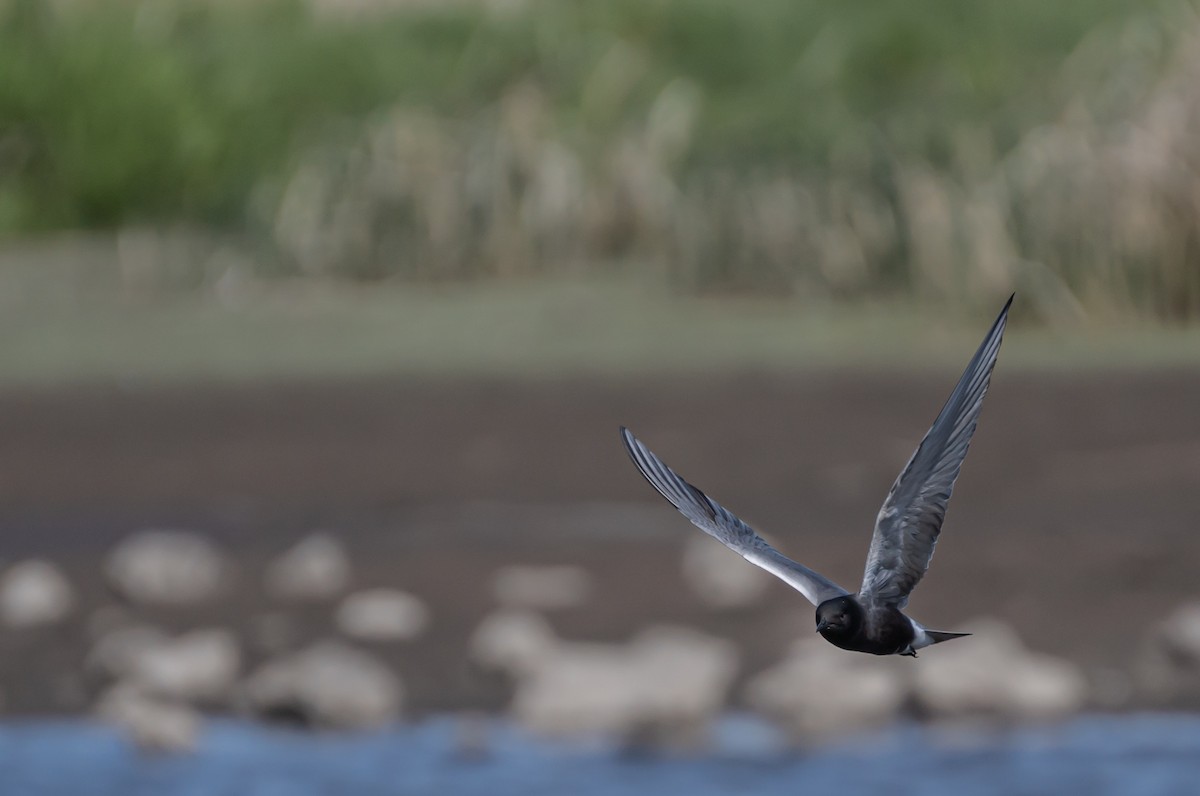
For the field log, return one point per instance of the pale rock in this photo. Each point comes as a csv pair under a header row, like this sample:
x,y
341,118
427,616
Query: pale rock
x,y
819,691
992,674
155,725
543,588
719,577
513,641
116,652
1180,634
382,615
34,593
668,682
316,568
1167,670
166,567
327,685
197,667
685,673
579,688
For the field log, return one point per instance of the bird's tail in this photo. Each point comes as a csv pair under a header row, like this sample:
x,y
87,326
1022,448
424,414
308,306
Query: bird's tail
x,y
938,636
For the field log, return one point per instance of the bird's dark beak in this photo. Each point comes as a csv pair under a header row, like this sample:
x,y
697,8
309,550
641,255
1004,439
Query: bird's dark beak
x,y
822,625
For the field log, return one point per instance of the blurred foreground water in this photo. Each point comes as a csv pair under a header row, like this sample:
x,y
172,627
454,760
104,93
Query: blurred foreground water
x,y
1133,754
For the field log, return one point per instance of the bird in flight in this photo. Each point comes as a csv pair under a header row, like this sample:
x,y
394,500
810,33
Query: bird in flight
x,y
906,529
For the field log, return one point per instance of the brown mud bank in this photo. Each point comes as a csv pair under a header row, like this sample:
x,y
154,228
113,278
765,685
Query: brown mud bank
x,y
1075,518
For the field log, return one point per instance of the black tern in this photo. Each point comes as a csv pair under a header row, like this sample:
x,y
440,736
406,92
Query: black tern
x,y
906,529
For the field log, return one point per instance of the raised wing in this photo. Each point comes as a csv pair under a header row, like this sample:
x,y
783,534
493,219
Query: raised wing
x,y
908,525
707,515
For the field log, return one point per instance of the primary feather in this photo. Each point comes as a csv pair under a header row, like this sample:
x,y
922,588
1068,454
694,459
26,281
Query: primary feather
x,y
720,523
907,528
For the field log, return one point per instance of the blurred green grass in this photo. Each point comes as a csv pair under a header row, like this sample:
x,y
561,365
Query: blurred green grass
x,y
102,333
114,113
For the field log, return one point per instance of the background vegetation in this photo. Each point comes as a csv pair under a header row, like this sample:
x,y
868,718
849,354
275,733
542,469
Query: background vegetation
x,y
117,111
930,153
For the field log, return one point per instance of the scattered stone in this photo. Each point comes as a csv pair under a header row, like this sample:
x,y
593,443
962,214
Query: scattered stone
x,y
326,685
382,615
992,674
166,567
316,568
1180,635
512,641
34,593
197,667
719,577
1168,667
542,588
155,725
115,653
819,691
662,688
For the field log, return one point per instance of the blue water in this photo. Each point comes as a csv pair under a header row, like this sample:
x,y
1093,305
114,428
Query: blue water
x,y
1093,755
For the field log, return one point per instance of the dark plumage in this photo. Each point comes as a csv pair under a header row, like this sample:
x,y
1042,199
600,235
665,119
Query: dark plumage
x,y
906,530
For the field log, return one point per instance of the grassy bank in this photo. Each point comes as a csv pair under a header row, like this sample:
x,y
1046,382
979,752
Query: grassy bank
x,y
99,332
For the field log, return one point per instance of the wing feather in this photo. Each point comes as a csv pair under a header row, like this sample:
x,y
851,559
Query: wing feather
x,y
907,528
710,517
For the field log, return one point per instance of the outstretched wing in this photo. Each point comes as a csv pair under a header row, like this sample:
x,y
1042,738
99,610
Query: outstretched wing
x,y
907,527
707,515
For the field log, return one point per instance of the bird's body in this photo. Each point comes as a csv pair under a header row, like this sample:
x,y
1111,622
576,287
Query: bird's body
x,y
873,627
906,529
877,629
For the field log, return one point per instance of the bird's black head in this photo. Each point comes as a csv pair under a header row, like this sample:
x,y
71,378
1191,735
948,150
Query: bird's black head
x,y
839,617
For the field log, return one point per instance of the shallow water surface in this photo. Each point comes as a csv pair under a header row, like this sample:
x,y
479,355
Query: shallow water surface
x,y
1147,754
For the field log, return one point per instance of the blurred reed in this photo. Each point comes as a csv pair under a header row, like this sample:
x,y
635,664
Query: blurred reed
x,y
1098,208
1078,184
